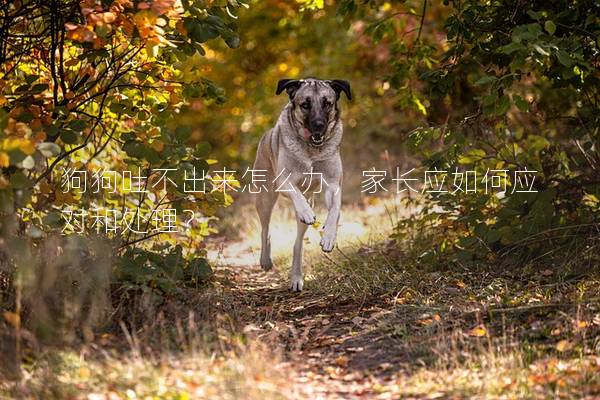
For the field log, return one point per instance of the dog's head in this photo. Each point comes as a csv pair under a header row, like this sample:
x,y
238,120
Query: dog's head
x,y
314,105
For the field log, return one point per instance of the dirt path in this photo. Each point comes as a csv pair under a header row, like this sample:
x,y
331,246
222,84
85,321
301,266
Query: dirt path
x,y
327,344
429,339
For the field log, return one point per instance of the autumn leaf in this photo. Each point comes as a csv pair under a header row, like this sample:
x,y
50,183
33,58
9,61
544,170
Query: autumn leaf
x,y
4,159
12,318
342,361
478,331
564,345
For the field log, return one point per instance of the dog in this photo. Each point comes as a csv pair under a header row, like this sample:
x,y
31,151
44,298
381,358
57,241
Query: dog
x,y
305,142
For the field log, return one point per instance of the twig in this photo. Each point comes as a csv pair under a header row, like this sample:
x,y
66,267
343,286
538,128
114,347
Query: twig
x,y
422,20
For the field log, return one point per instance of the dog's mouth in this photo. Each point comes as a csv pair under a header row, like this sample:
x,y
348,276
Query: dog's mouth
x,y
317,141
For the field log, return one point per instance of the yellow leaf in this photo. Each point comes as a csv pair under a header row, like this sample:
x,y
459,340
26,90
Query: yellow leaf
x,y
84,373
564,345
478,331
13,318
420,106
4,160
579,324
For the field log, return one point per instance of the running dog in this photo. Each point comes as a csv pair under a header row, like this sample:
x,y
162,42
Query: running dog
x,y
304,142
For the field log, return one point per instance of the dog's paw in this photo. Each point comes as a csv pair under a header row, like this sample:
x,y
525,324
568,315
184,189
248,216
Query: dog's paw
x,y
327,243
297,283
266,265
307,216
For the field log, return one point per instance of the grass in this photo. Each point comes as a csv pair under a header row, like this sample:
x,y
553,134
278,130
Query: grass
x,y
374,320
234,375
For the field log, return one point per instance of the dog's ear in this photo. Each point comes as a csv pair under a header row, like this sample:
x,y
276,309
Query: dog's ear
x,y
290,85
340,85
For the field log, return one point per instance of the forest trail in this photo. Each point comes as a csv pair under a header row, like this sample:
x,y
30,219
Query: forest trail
x,y
369,325
326,345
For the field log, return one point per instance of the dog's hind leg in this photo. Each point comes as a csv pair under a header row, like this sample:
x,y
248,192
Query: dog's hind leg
x,y
265,201
297,273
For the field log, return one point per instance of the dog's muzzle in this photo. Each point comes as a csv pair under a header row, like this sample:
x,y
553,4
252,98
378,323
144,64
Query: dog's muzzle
x,y
317,140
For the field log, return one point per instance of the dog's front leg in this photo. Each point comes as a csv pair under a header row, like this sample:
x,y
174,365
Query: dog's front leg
x,y
289,187
333,202
304,216
297,274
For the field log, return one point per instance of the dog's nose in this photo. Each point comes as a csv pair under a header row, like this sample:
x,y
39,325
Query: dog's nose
x,y
319,126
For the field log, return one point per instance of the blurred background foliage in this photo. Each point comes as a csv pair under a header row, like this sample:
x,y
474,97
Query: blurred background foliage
x,y
293,39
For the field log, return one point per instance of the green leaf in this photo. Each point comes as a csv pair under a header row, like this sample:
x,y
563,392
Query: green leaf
x,y
202,150
134,149
521,103
182,133
31,78
535,14
511,48
564,58
492,235
39,88
485,80
19,181
68,136
198,269
150,155
550,27
78,125
117,108
472,156
233,41
502,105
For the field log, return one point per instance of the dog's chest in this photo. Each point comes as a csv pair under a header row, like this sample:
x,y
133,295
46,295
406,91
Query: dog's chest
x,y
313,177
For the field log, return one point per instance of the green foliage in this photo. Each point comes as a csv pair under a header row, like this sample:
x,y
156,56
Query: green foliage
x,y
168,273
515,86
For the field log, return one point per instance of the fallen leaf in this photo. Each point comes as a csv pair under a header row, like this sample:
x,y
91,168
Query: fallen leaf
x,y
84,373
478,331
579,324
342,361
564,345
541,379
13,318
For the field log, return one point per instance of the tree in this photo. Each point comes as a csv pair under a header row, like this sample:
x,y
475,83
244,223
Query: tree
x,y
88,91
98,86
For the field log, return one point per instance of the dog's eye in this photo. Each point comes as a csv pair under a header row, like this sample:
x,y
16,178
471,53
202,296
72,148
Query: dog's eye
x,y
305,106
326,103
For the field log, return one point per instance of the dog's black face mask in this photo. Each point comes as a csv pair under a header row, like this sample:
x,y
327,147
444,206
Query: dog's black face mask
x,y
315,105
